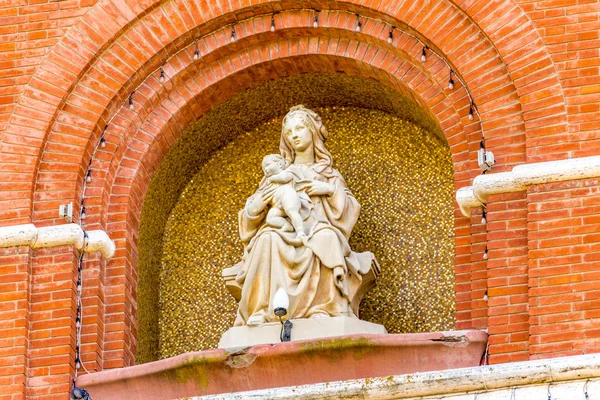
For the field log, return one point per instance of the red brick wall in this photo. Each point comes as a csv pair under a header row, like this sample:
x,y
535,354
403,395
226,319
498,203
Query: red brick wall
x,y
564,268
67,67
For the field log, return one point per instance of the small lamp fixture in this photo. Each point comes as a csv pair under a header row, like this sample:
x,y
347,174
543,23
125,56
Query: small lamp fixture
x,y
391,35
102,139
358,24
471,111
162,77
88,176
451,81
196,52
424,54
272,23
281,302
233,36
316,22
131,105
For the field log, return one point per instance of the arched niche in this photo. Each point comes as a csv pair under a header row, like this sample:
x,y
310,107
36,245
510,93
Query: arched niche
x,y
239,125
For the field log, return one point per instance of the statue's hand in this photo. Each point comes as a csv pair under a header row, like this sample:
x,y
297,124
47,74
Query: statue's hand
x,y
317,188
260,200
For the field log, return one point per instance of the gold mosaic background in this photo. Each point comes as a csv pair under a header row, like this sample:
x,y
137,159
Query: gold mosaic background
x,y
230,119
401,174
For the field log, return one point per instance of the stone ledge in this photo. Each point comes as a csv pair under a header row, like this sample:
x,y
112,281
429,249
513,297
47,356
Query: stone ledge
x,y
561,378
303,329
289,364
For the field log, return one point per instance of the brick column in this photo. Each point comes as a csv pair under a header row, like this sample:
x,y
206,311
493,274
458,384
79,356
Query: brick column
x,y
14,325
564,268
52,323
479,312
508,322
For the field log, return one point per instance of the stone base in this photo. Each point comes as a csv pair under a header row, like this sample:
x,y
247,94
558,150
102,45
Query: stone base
x,y
300,362
303,329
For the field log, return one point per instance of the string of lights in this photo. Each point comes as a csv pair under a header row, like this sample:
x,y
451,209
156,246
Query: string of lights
x,y
423,56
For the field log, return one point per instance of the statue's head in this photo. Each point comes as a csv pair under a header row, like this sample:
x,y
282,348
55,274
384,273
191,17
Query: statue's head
x,y
273,164
301,128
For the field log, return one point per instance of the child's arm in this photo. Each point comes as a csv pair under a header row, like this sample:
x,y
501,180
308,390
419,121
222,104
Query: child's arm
x,y
282,177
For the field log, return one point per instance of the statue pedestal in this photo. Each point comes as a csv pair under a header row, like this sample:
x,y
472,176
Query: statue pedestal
x,y
217,372
303,329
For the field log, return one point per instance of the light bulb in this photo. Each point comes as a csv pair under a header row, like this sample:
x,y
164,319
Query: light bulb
x,y
88,177
485,255
232,34
471,114
131,106
77,363
162,76
485,296
483,220
390,38
83,213
281,299
423,55
102,142
272,24
358,27
451,84
196,54
316,23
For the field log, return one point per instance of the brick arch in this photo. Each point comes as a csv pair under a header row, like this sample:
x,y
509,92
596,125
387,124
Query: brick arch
x,y
106,99
100,74
100,54
169,110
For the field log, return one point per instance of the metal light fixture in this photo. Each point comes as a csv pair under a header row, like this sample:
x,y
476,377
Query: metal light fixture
x,y
424,54
281,302
196,52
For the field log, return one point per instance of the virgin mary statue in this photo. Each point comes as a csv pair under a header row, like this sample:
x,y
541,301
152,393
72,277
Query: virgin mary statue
x,y
322,276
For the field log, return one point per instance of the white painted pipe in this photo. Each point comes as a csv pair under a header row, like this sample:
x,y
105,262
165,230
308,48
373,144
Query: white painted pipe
x,y
525,175
57,235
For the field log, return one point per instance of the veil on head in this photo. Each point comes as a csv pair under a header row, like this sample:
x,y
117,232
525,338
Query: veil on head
x,y
319,135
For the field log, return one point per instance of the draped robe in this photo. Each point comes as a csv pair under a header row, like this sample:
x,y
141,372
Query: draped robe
x,y
314,275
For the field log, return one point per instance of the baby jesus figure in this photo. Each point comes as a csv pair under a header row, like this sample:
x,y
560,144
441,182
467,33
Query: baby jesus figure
x,y
286,201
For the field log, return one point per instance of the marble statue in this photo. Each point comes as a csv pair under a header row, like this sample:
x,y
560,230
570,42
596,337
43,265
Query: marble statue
x,y
295,230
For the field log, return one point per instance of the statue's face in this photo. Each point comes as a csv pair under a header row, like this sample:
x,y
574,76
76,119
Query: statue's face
x,y
298,135
273,166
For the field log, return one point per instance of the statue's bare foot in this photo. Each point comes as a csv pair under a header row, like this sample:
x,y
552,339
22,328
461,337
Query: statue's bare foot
x,y
255,320
287,227
319,315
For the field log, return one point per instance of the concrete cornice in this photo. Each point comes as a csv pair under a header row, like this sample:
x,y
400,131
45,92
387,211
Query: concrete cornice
x,y
439,383
58,235
525,175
